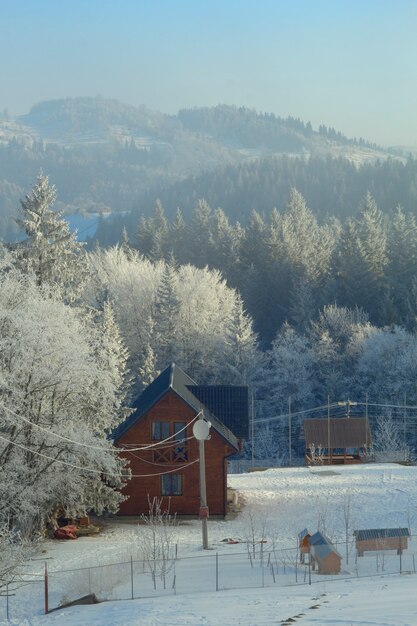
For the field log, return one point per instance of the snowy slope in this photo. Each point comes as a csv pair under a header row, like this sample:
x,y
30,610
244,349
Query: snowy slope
x,y
285,501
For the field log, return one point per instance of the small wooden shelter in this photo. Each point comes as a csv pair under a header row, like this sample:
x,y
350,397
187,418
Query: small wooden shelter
x,y
375,539
304,544
324,554
336,440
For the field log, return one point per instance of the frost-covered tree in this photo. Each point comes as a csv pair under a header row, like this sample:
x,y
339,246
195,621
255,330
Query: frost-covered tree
x,y
389,441
131,283
292,370
178,237
337,338
206,307
16,547
243,362
387,366
165,314
61,393
361,262
165,318
200,241
302,304
51,251
402,267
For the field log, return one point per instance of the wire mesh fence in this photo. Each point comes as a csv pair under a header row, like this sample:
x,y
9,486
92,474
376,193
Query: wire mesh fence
x,y
246,566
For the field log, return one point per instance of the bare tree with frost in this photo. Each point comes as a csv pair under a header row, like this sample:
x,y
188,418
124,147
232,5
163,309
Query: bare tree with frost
x,y
156,535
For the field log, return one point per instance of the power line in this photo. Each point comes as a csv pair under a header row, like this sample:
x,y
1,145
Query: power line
x,y
91,470
156,445
333,405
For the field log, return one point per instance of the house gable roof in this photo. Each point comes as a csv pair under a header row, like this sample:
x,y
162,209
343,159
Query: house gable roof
x,y
173,378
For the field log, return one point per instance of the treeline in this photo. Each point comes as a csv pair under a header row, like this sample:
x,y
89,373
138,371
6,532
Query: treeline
x,y
331,186
104,154
288,266
339,356
248,128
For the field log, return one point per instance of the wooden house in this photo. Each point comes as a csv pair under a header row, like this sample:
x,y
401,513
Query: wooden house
x,y
336,440
375,539
324,555
165,463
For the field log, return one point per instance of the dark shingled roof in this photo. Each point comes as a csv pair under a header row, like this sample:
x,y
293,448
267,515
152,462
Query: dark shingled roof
x,y
173,378
381,533
230,403
345,432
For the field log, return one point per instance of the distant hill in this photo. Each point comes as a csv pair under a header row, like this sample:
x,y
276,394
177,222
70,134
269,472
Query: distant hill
x,y
105,155
85,120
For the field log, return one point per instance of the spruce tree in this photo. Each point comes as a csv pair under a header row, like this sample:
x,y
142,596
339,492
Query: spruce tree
x,y
402,267
166,316
51,251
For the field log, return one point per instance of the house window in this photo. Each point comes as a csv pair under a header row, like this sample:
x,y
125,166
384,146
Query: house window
x,y
171,485
160,430
180,450
179,431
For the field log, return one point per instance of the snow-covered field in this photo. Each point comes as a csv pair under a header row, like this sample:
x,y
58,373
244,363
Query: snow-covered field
x,y
281,502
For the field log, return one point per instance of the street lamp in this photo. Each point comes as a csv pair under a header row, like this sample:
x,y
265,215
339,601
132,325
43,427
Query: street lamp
x,y
201,431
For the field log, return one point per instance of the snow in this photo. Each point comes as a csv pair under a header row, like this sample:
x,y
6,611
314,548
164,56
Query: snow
x,y
285,501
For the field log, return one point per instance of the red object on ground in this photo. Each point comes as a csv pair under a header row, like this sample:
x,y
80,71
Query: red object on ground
x,y
66,532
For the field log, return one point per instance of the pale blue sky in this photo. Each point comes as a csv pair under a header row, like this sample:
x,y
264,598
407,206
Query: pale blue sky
x,y
351,64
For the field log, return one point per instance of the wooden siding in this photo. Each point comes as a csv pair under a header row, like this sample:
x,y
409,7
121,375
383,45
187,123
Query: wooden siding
x,y
382,543
172,408
330,564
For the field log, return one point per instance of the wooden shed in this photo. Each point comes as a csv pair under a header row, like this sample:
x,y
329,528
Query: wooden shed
x,y
304,544
164,458
324,555
374,539
336,440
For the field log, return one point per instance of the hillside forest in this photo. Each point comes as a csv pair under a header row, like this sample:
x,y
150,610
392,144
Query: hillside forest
x,y
305,305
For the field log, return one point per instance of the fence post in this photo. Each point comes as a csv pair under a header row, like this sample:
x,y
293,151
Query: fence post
x,y
217,571
131,574
46,590
7,601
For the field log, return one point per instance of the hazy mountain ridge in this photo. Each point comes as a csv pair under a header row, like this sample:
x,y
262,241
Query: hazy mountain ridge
x,y
85,120
102,153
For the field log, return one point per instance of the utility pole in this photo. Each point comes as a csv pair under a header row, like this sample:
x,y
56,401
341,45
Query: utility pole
x,y
328,431
289,430
253,431
201,431
405,426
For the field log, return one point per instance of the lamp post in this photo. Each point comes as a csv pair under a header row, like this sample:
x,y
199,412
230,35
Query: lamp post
x,y
201,431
